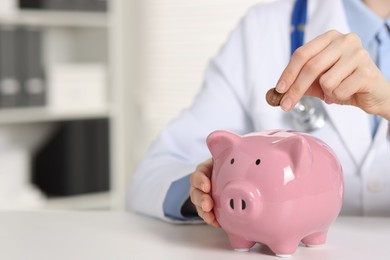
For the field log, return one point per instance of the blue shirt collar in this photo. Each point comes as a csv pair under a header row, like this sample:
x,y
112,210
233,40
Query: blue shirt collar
x,y
362,21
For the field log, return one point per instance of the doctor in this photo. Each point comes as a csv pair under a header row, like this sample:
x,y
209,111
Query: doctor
x,y
335,65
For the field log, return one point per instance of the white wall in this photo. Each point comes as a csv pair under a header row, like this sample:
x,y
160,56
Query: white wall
x,y
176,39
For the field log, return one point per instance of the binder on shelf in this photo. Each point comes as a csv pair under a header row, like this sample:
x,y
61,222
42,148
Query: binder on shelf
x,y
76,5
91,5
31,4
10,87
59,4
33,82
75,160
97,161
59,166
64,5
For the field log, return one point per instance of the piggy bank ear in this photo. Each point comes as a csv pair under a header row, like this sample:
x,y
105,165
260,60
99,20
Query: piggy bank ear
x,y
299,151
219,141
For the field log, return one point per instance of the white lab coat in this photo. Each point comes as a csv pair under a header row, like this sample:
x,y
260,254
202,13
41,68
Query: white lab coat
x,y
233,98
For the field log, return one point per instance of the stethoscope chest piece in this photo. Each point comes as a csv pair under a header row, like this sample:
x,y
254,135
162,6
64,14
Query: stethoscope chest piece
x,y
308,114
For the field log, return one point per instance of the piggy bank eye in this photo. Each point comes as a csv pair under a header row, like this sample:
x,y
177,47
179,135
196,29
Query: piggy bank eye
x,y
232,161
258,161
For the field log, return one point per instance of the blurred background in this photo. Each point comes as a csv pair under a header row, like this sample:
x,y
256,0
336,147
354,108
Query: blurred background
x,y
86,85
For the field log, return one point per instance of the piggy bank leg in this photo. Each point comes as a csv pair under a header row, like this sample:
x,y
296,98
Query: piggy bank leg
x,y
239,243
315,239
284,249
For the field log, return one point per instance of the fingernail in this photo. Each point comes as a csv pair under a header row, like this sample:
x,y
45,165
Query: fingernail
x,y
281,86
202,204
286,104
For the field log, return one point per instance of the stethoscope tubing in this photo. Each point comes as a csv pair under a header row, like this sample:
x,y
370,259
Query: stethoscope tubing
x,y
298,22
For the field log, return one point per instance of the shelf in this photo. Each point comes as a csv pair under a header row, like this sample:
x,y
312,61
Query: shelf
x,y
56,19
29,115
85,37
93,201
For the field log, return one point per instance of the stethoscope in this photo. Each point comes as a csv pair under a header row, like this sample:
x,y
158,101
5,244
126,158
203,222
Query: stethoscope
x,y
308,114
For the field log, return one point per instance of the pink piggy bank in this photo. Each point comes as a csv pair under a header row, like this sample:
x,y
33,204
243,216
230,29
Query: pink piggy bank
x,y
277,188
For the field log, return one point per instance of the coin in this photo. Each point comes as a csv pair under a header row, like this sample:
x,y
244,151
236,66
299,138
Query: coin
x,y
273,97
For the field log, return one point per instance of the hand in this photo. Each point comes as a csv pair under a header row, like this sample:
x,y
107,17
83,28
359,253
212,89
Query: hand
x,y
336,68
200,192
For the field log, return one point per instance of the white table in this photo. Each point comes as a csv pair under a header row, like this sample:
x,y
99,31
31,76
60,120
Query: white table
x,y
115,235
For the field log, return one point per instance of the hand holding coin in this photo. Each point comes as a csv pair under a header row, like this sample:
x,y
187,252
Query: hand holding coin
x,y
273,97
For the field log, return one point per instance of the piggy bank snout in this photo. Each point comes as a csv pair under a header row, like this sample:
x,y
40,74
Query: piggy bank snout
x,y
240,199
